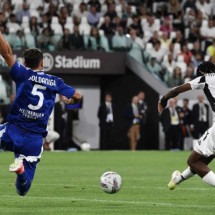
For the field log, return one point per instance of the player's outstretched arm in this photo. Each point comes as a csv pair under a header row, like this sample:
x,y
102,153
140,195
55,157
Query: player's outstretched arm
x,y
6,51
171,94
76,98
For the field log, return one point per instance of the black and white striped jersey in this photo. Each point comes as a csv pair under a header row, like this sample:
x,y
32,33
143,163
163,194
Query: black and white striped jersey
x,y
207,84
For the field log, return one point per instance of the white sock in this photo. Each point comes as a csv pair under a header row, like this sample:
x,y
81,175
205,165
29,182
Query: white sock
x,y
209,178
186,174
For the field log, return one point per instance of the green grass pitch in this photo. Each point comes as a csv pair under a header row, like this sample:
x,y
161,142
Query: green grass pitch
x,y
68,183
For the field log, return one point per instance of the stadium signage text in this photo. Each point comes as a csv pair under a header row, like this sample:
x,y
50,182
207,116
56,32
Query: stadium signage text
x,y
82,62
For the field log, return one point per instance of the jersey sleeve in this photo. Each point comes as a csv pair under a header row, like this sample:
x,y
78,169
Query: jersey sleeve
x,y
64,89
198,83
18,72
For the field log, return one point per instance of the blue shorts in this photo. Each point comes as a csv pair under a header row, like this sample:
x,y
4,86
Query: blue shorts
x,y
23,143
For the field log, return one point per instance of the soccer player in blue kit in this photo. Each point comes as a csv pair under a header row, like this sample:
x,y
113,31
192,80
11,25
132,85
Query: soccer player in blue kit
x,y
33,104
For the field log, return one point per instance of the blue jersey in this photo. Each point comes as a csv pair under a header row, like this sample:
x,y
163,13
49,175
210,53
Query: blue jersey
x,y
35,97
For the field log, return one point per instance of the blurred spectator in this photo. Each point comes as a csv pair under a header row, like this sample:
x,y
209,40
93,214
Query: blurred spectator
x,y
107,27
44,23
52,11
197,60
189,4
136,25
175,9
178,38
165,41
176,78
155,38
3,20
189,74
96,3
189,17
34,27
120,42
117,22
20,43
154,67
186,53
94,41
167,25
93,16
197,49
77,40
44,40
61,124
127,15
82,12
106,115
65,41
157,51
133,122
135,38
6,9
211,49
111,11
208,32
143,13
150,25
25,11
143,111
12,25
169,64
185,122
64,14
200,118
171,126
205,7
194,33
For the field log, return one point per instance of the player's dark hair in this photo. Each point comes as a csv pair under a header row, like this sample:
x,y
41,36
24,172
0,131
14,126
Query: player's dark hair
x,y
32,57
205,68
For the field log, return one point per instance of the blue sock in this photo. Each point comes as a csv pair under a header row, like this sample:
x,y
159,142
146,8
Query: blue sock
x,y
23,181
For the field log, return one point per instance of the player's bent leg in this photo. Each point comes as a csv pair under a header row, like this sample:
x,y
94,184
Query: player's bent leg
x,y
24,180
198,163
25,175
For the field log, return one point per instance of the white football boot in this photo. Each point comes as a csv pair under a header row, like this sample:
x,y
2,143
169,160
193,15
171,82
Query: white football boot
x,y
175,179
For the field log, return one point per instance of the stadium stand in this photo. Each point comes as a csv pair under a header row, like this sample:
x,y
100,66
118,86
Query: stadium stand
x,y
177,22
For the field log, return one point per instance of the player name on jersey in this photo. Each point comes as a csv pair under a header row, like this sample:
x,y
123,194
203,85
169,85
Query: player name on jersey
x,y
42,80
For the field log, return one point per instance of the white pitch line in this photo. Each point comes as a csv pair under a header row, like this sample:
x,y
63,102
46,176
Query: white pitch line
x,y
127,187
144,203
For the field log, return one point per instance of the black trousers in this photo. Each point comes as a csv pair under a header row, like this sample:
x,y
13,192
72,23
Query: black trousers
x,y
106,136
172,137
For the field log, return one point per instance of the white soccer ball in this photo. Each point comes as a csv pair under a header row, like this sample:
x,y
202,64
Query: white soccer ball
x,y
110,182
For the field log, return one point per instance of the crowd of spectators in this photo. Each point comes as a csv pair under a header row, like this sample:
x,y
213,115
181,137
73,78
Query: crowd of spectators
x,y
170,38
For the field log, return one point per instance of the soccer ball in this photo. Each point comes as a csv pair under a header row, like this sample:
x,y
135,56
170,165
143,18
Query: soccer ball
x,y
110,182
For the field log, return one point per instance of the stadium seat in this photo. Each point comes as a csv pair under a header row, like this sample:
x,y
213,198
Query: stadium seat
x,y
101,20
180,63
104,43
69,26
84,28
30,40
55,26
172,35
25,22
55,39
136,53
